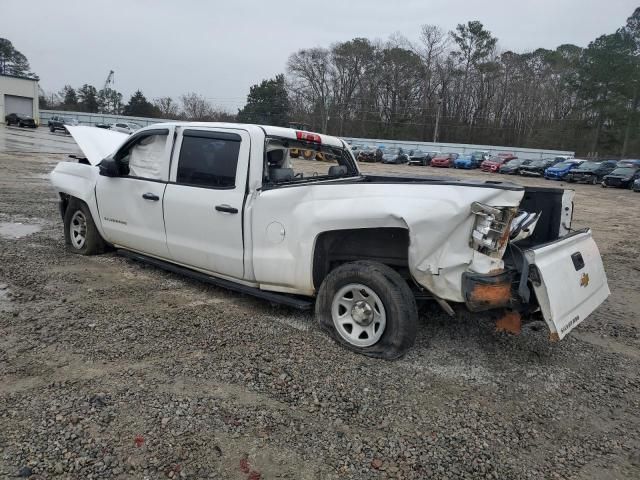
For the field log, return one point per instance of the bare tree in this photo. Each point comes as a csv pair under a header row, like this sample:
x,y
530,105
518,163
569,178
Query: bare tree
x,y
167,106
310,69
196,107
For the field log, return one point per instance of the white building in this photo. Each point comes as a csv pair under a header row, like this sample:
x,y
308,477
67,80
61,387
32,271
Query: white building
x,y
18,95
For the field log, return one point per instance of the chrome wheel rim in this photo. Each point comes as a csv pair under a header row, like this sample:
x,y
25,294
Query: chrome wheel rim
x,y
358,315
78,229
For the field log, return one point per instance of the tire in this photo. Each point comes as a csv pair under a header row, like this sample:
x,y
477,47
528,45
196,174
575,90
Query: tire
x,y
51,129
80,233
594,180
391,297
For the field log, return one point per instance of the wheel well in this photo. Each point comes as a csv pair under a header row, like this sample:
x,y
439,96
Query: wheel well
x,y
65,199
389,246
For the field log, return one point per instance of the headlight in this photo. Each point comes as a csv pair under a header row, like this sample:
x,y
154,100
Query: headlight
x,y
491,228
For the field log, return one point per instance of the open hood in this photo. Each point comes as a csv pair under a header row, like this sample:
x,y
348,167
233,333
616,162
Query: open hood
x,y
96,143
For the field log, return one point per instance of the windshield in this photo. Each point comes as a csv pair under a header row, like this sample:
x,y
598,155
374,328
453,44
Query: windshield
x,y
514,163
291,161
538,163
589,166
626,171
134,126
562,165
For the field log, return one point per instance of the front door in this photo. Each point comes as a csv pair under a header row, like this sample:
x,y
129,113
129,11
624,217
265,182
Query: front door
x,y
204,200
130,206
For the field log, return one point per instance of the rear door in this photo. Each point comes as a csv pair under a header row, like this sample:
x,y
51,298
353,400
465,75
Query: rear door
x,y
203,203
130,206
569,280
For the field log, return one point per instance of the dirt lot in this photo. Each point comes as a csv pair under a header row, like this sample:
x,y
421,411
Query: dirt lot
x,y
109,369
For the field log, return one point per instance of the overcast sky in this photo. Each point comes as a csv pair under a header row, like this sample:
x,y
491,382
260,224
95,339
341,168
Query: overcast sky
x,y
220,48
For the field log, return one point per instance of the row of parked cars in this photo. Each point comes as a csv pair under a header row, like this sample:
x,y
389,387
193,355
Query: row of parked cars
x,y
608,173
60,122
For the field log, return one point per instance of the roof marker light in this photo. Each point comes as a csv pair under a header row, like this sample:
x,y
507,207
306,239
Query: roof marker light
x,y
308,137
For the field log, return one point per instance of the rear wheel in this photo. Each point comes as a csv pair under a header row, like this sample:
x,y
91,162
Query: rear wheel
x,y
594,180
80,232
369,308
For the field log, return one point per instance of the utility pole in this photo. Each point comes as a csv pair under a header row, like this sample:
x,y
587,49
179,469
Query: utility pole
x,y
435,129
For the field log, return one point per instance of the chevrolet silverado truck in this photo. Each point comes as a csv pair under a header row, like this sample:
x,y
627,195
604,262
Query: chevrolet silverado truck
x,y
228,204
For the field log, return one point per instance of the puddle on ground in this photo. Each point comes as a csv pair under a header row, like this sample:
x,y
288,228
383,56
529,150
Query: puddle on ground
x,y
14,230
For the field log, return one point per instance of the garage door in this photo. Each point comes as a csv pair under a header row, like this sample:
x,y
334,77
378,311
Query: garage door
x,y
14,104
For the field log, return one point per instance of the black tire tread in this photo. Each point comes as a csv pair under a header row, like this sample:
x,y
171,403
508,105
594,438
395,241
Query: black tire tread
x,y
94,244
402,311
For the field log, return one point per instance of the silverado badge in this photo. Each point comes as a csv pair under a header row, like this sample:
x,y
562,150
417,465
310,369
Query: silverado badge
x,y
584,280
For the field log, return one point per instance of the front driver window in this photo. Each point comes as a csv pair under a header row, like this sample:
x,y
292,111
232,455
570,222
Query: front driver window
x,y
146,157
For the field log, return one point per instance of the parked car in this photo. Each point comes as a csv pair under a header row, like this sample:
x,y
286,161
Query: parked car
x,y
621,177
444,160
395,156
537,167
103,125
126,127
591,172
421,157
481,155
628,163
512,167
466,160
636,185
264,225
507,156
494,163
560,170
59,122
367,154
20,120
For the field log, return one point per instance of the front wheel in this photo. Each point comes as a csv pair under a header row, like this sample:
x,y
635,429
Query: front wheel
x,y
80,233
369,308
51,129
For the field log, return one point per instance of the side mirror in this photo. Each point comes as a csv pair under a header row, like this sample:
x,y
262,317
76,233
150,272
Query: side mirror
x,y
109,167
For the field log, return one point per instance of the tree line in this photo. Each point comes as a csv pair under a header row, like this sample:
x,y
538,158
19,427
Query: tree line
x,y
582,99
190,106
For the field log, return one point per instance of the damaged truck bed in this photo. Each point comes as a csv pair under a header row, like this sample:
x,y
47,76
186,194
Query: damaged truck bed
x,y
230,203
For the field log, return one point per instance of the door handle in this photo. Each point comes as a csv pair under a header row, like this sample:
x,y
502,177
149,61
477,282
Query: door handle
x,y
150,196
226,209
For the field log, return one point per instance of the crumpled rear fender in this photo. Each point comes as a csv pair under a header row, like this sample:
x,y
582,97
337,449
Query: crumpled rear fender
x,y
287,221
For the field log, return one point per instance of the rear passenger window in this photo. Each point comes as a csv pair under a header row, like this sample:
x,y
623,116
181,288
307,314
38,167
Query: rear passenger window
x,y
208,159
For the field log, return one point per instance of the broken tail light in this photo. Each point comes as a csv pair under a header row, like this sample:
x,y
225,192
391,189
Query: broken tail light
x,y
491,228
308,137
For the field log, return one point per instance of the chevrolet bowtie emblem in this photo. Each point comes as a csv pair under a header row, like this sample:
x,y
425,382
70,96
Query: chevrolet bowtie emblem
x,y
584,280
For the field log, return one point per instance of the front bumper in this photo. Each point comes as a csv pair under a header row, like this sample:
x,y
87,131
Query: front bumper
x,y
581,177
554,175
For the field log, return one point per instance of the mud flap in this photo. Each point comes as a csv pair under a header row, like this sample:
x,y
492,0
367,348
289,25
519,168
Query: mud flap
x,y
569,280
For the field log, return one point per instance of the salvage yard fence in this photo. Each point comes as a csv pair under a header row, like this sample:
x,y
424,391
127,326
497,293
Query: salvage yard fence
x,y
90,119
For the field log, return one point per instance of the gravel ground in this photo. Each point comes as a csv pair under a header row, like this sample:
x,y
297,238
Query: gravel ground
x,y
110,369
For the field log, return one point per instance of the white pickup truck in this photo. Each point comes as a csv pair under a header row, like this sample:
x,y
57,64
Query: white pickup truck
x,y
241,207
